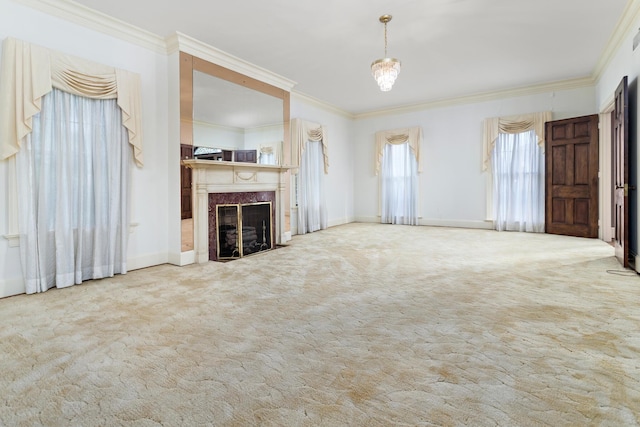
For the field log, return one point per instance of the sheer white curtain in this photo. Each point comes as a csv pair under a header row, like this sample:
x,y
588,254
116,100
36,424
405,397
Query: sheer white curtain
x,y
399,180
267,156
73,178
312,210
518,182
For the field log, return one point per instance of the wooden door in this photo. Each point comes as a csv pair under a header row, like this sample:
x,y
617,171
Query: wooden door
x,y
571,188
620,143
186,152
247,156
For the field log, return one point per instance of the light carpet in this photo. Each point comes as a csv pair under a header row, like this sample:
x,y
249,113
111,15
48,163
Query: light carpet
x,y
359,325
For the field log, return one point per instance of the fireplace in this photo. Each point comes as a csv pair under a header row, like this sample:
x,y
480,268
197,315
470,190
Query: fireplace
x,y
243,185
240,224
243,230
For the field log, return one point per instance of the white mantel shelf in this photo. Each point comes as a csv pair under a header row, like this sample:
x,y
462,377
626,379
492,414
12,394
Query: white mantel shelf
x,y
211,176
195,163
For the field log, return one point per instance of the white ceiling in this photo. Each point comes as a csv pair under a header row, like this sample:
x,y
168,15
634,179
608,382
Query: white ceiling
x,y
448,48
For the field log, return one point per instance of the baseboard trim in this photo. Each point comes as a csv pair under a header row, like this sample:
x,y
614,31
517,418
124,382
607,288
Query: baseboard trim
x,y
431,222
11,287
182,258
15,286
367,219
331,223
145,261
485,225
339,221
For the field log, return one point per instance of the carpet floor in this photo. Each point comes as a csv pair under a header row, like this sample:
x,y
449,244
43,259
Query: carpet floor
x,y
359,325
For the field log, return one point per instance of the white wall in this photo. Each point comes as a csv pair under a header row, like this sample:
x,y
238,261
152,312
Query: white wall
x,y
626,62
149,198
340,179
452,184
208,135
271,135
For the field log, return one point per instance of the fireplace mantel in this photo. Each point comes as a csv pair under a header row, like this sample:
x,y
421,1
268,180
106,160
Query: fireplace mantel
x,y
195,163
210,176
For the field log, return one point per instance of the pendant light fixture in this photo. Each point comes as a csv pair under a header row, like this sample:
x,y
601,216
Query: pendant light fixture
x,y
385,70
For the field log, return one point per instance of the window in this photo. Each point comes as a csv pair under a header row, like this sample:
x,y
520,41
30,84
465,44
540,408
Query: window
x,y
267,156
73,171
399,182
309,152
518,182
81,170
312,210
397,162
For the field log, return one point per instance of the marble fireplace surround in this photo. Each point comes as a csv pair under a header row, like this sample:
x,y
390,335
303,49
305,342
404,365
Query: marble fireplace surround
x,y
211,177
216,199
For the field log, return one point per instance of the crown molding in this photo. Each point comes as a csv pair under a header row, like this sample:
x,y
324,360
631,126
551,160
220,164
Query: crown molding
x,y
98,21
90,18
184,43
484,96
217,126
606,106
321,104
630,15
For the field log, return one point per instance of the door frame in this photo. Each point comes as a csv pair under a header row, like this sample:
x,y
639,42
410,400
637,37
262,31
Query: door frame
x,y
605,229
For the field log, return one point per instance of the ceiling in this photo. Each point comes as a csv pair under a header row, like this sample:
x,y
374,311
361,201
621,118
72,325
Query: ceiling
x,y
448,48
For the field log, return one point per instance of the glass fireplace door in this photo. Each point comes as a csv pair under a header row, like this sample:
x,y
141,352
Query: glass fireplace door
x,y
256,227
243,229
229,242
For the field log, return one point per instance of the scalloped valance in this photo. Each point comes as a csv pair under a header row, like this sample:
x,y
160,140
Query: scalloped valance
x,y
28,72
512,124
303,131
411,135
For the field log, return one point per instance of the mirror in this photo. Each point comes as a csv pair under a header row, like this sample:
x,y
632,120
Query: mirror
x,y
227,116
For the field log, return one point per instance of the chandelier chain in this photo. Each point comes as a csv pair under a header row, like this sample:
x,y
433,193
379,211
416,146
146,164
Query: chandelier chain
x,y
385,40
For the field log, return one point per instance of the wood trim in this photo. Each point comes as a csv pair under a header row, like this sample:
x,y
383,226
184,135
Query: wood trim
x,y
189,63
186,99
235,77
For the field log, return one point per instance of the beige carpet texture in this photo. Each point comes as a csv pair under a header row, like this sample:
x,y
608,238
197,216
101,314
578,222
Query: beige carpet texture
x,y
357,325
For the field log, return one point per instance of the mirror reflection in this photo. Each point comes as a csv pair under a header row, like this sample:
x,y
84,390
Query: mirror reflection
x,y
235,123
228,117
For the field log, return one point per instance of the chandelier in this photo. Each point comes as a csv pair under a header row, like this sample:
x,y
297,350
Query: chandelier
x,y
385,70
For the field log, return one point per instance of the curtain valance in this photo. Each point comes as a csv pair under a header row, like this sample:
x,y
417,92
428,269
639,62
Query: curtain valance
x,y
512,124
303,131
274,149
28,72
398,136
